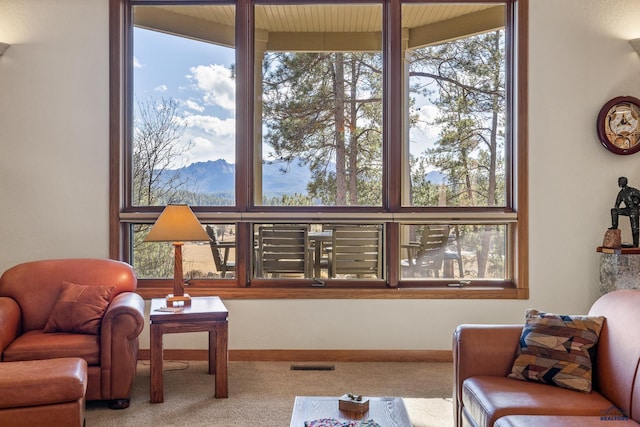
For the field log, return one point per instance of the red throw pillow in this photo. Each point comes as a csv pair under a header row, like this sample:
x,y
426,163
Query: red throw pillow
x,y
79,309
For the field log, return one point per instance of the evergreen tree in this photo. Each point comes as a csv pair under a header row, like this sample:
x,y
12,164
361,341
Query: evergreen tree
x,y
470,96
324,110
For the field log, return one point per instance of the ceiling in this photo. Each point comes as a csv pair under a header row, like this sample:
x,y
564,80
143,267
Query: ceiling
x,y
281,25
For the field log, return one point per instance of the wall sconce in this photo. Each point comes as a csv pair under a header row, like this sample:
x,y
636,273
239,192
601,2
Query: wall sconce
x,y
635,43
3,47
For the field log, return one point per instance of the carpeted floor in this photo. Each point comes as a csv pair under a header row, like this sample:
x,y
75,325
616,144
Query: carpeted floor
x,y
262,393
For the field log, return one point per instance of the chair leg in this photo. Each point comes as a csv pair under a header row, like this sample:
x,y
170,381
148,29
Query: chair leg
x,y
119,403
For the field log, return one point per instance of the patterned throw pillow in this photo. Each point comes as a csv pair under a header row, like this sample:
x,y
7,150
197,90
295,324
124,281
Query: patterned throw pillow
x,y
557,349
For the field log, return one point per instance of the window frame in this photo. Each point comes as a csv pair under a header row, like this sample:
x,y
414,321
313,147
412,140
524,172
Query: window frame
x,y
391,213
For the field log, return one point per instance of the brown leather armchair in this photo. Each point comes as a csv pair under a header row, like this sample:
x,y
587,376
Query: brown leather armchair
x,y
28,294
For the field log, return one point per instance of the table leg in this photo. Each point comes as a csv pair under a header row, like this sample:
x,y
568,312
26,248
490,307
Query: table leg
x,y
221,358
156,386
213,335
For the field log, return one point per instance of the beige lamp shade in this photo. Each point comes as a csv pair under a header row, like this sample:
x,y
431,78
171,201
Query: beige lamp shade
x,y
177,223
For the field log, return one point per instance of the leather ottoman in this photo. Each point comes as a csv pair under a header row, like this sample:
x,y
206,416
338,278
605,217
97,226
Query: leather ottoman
x,y
43,392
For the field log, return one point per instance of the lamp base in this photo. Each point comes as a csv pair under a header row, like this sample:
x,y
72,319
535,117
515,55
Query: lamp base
x,y
178,300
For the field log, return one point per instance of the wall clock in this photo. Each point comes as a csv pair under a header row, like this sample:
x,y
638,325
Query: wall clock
x,y
619,125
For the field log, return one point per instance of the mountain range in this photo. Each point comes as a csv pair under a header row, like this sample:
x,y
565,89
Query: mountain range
x,y
217,177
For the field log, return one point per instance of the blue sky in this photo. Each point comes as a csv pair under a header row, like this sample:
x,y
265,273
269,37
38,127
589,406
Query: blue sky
x,y
198,75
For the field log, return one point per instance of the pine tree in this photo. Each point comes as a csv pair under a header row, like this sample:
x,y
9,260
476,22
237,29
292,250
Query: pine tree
x,y
324,110
470,96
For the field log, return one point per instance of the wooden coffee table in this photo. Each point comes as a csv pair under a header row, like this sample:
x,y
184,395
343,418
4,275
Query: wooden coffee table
x,y
386,411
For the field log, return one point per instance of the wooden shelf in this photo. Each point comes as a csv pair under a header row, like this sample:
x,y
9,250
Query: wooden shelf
x,y
619,251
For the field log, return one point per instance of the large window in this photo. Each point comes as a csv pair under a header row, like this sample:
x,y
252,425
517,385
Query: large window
x,y
330,149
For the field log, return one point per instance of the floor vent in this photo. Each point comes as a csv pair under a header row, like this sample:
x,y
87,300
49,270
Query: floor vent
x,y
312,367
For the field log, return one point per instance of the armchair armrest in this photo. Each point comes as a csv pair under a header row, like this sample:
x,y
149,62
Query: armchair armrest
x,y
10,323
126,311
122,323
483,350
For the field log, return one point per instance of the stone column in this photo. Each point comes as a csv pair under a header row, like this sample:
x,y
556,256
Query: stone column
x,y
619,269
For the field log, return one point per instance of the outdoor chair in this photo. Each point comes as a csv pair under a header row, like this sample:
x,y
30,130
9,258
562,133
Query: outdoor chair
x,y
427,255
284,249
355,250
221,260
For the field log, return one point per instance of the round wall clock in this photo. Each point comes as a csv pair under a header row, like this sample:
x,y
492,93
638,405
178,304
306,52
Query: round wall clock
x,y
619,125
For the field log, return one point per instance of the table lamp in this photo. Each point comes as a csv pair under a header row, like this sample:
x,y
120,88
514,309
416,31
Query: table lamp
x,y
177,223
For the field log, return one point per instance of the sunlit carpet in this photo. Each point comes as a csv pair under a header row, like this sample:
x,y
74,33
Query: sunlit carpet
x,y
262,393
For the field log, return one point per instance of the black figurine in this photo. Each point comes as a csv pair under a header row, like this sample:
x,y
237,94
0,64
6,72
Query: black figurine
x,y
630,197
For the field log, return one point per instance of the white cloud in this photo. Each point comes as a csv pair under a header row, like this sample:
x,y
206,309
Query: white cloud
x,y
136,63
161,88
212,138
212,125
216,82
212,149
192,105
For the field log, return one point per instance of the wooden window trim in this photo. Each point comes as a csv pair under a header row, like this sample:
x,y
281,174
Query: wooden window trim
x,y
120,106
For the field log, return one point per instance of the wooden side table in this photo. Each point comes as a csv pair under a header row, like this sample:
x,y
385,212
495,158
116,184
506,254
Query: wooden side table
x,y
204,314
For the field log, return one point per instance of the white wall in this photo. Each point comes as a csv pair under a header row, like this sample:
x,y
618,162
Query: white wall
x,y
54,120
